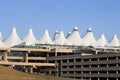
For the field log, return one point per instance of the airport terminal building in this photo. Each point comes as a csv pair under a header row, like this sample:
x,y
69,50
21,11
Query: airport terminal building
x,y
72,56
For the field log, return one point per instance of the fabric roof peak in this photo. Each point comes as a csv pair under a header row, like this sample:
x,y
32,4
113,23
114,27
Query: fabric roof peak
x,y
2,44
74,38
56,34
46,31
13,39
69,33
45,39
60,39
89,39
30,29
102,42
114,42
29,39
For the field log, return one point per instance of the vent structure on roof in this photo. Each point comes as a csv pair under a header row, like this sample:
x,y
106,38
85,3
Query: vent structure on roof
x,y
13,39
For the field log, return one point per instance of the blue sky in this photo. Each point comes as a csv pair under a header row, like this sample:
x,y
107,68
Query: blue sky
x,y
103,16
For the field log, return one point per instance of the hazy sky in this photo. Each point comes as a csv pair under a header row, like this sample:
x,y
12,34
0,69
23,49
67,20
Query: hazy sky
x,y
103,16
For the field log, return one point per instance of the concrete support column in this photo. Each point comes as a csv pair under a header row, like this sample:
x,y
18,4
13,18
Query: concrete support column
x,y
26,57
5,54
98,66
61,61
57,71
56,53
81,66
74,67
82,69
98,78
116,58
117,72
90,78
50,72
107,72
26,69
107,65
117,65
13,66
47,56
96,52
67,60
98,72
61,68
31,69
90,72
67,72
74,60
107,58
90,59
116,78
98,59
81,60
107,78
74,72
67,67
89,66
56,64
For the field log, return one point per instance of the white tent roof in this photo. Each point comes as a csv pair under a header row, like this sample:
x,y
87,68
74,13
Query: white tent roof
x,y
56,34
2,44
74,38
45,39
60,40
1,38
114,42
69,33
29,39
102,42
13,39
89,39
